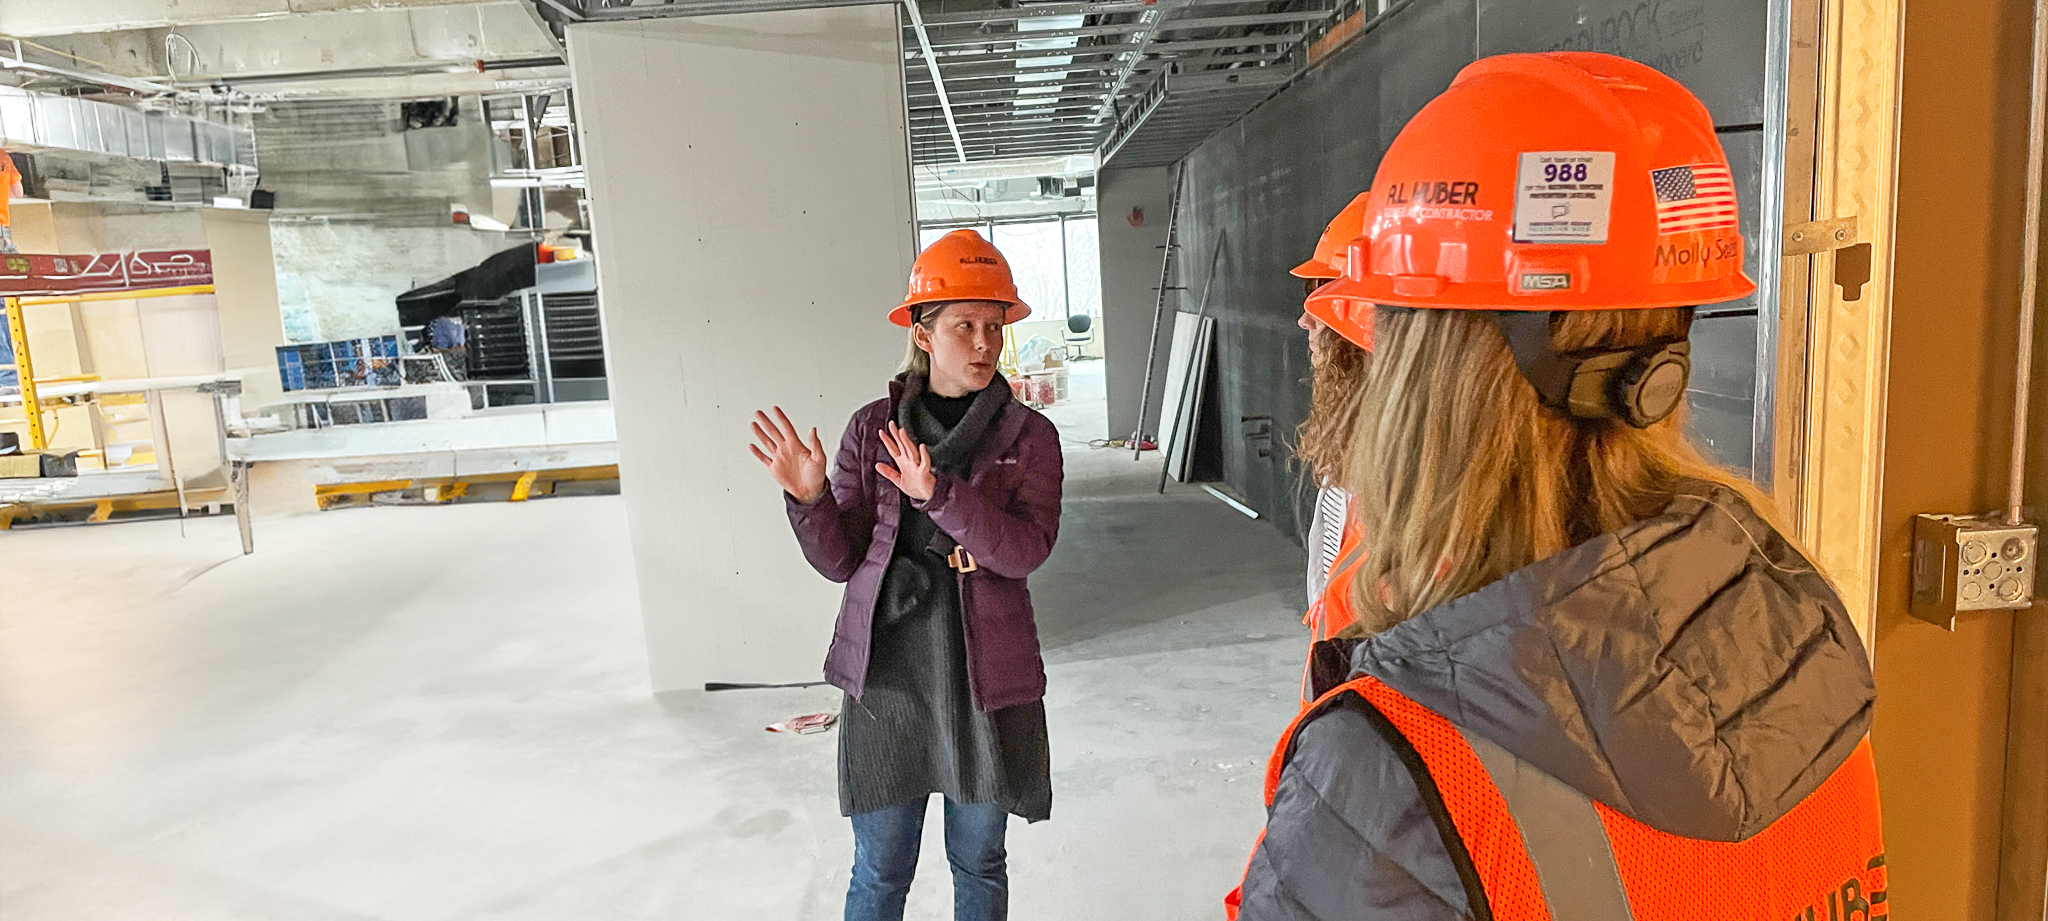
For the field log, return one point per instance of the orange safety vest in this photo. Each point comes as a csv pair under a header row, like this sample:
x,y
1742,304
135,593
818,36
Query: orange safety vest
x,y
1537,844
8,177
1333,611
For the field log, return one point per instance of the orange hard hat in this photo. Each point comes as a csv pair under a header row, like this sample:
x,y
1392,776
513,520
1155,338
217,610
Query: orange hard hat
x,y
961,266
1559,181
1328,262
1347,318
1555,182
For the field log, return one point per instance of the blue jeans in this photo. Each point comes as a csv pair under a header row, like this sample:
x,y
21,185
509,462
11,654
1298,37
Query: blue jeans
x,y
885,844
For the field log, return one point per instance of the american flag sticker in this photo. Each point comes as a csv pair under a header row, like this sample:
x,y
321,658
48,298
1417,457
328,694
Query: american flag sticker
x,y
1694,198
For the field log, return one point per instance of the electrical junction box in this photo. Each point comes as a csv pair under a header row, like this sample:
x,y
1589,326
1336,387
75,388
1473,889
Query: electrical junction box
x,y
1963,563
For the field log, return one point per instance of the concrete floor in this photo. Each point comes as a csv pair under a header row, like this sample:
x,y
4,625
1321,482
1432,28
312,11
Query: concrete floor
x,y
393,713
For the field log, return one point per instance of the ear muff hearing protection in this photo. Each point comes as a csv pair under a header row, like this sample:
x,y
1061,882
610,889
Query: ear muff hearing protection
x,y
1640,386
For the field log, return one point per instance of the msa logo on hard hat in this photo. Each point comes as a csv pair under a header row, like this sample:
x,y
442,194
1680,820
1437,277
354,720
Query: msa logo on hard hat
x,y
1546,281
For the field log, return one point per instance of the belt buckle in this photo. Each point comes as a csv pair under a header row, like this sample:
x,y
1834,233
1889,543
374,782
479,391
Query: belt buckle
x,y
962,561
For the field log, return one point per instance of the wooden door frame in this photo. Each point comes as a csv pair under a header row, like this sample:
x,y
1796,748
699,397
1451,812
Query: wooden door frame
x,y
1829,421
1840,445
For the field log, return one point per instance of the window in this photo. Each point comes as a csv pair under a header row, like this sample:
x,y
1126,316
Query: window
x,y
1040,268
1084,268
1055,262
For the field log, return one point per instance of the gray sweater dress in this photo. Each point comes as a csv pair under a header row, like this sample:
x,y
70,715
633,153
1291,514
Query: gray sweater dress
x,y
915,731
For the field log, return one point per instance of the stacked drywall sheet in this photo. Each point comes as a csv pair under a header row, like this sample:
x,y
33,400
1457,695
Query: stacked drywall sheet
x,y
1187,373
495,441
88,486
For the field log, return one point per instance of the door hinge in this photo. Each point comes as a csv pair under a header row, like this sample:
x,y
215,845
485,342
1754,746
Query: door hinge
x,y
1821,236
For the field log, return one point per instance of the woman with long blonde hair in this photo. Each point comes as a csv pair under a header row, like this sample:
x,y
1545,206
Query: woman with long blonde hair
x,y
1338,350
1590,677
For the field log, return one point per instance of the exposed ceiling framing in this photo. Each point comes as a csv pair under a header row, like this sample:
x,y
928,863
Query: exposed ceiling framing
x,y
1139,81
1036,79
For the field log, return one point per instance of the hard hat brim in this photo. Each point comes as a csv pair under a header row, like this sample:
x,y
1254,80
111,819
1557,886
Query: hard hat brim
x,y
1013,311
1315,268
1416,292
1351,319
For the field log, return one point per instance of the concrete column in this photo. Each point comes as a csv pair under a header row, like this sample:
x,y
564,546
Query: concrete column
x,y
750,180
1130,275
245,291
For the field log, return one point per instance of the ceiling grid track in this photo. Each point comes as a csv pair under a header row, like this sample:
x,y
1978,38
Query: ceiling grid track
x,y
924,43
1135,82
1140,82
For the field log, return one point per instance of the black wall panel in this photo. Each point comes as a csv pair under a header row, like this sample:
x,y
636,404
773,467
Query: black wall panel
x,y
1718,405
1714,47
1724,357
1260,191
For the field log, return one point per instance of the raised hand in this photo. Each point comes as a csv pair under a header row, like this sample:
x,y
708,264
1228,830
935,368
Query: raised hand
x,y
913,470
797,466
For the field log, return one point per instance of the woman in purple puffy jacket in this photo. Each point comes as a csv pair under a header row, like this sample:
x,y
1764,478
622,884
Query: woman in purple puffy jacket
x,y
943,498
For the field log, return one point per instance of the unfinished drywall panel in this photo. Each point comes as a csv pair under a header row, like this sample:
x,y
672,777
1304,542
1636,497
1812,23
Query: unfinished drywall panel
x,y
245,294
97,227
1135,205
112,333
1721,398
54,350
53,340
1721,403
180,334
33,228
753,231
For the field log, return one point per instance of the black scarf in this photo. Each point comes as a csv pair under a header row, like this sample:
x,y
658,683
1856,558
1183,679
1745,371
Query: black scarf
x,y
953,451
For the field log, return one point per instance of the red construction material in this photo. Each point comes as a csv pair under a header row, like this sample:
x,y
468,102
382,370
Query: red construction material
x,y
87,273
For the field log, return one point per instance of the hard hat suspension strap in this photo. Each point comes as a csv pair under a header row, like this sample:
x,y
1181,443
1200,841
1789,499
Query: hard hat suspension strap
x,y
1639,386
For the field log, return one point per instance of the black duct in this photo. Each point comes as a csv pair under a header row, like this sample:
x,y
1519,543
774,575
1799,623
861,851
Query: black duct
x,y
493,279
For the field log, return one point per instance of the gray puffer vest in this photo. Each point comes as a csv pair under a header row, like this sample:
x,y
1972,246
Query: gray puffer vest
x,y
1693,672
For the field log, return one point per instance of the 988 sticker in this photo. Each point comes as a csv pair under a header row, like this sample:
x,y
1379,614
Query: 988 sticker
x,y
1563,196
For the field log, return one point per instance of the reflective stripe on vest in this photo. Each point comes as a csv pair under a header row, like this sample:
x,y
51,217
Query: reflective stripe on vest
x,y
1562,833
1542,850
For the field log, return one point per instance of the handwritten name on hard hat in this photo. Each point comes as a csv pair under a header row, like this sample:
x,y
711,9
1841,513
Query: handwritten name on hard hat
x,y
1698,252
980,260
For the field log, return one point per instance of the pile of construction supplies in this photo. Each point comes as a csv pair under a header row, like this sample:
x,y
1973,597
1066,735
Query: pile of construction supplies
x,y
16,464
